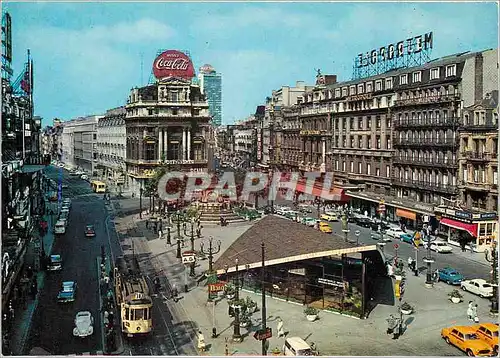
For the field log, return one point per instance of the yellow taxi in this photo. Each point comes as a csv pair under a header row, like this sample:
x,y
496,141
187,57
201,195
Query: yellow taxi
x,y
466,339
324,227
488,332
329,217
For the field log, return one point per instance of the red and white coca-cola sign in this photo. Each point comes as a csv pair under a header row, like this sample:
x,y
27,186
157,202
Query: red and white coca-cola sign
x,y
173,63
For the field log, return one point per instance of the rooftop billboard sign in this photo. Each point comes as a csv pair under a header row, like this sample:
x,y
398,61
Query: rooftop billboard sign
x,y
173,63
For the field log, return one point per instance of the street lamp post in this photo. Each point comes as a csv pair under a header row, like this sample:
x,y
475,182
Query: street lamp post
x,y
140,202
236,332
428,260
491,256
211,251
192,224
178,219
345,226
169,239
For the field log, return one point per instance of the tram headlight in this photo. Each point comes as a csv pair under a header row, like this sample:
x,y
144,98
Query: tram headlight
x,y
138,329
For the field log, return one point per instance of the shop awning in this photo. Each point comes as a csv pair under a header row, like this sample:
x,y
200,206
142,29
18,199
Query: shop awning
x,y
335,194
27,168
470,228
406,214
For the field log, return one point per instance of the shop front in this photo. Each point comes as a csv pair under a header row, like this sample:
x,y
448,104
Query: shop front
x,y
459,226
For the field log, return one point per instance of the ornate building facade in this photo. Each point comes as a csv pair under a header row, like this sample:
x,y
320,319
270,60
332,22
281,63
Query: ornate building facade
x,y
478,157
111,144
167,123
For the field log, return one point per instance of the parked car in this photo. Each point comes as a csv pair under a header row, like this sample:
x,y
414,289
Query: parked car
x,y
55,263
308,221
376,235
440,247
363,221
68,292
324,227
89,231
450,276
84,177
466,339
304,208
488,332
478,287
84,324
60,227
67,202
64,215
64,186
395,233
329,217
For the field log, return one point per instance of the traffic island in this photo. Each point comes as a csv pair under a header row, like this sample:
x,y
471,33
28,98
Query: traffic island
x,y
112,340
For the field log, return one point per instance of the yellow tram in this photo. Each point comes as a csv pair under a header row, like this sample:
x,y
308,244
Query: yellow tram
x,y
133,298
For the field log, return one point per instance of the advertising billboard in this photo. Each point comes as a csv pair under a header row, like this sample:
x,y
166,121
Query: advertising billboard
x,y
173,63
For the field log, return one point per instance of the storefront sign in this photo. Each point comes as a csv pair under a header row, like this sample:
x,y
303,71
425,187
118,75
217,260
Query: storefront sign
x,y
328,282
173,63
216,287
486,216
179,161
463,215
360,97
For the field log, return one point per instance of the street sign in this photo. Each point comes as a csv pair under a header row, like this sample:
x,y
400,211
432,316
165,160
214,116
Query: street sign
x,y
216,287
188,257
188,253
381,206
396,246
357,232
262,334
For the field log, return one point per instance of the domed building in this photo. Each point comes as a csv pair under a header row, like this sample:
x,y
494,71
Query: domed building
x,y
167,122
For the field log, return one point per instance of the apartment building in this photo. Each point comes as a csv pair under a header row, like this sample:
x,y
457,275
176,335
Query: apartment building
x,y
79,140
291,146
111,144
245,139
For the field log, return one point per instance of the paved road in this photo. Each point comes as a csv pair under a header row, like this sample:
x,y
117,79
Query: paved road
x,y
52,326
165,338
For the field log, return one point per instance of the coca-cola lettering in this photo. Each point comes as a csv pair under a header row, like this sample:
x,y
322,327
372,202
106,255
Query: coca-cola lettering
x,y
173,63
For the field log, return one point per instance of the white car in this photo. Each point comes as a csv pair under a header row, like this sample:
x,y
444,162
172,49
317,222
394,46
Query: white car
x,y
478,286
84,177
394,233
60,227
64,209
84,324
440,247
67,202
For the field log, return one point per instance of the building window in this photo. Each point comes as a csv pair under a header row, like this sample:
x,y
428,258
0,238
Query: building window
x,y
451,70
368,168
369,123
387,171
368,86
389,123
360,124
360,89
351,124
360,168
495,178
175,111
388,143
344,143
344,92
336,164
352,166
417,76
378,142
434,73
369,142
403,79
388,83
377,172
360,142
379,122
352,90
378,85
337,93
343,166
352,142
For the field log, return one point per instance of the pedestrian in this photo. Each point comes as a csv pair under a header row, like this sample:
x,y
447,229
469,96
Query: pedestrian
x,y
474,313
147,223
280,329
392,323
469,310
174,292
201,342
160,234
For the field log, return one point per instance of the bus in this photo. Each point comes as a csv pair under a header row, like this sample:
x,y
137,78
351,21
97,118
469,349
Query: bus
x,y
132,296
98,186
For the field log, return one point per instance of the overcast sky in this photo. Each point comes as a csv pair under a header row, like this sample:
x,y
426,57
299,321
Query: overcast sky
x,y
88,55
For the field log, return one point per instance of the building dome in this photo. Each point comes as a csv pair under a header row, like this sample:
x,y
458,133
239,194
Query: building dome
x,y
206,68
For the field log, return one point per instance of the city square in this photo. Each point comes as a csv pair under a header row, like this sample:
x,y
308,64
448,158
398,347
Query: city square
x,y
183,201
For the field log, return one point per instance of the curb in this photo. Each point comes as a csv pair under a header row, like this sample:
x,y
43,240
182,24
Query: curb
x,y
101,313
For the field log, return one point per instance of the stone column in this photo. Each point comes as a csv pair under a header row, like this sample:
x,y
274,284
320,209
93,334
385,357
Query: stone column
x,y
160,143
188,144
183,143
165,143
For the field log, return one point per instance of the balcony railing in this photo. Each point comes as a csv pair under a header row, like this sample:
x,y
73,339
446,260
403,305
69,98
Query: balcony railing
x,y
477,186
416,101
433,141
477,156
426,162
425,185
430,122
485,127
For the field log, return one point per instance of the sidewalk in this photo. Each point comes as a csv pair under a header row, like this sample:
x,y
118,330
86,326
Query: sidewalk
x,y
333,334
23,314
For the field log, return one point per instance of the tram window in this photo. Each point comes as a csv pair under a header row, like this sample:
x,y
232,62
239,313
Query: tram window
x,y
127,312
139,314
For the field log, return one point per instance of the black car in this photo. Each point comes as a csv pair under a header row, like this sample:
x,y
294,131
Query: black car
x,y
375,226
364,222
